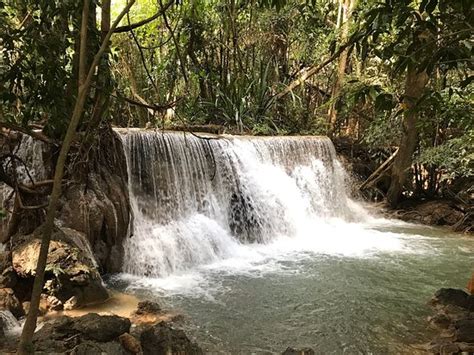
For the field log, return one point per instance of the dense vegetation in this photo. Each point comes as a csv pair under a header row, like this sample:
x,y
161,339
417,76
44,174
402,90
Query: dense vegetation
x,y
384,74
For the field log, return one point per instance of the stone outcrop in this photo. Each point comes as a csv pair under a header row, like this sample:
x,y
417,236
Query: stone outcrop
x,y
98,203
162,338
108,335
94,199
454,319
89,334
71,277
443,212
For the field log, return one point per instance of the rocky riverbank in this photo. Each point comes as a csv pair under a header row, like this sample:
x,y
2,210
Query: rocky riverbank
x,y
149,330
454,321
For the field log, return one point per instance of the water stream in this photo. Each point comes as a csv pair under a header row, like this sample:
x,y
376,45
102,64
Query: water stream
x,y
257,241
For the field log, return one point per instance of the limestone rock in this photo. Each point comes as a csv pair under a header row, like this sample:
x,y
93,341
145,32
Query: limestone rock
x,y
70,269
164,339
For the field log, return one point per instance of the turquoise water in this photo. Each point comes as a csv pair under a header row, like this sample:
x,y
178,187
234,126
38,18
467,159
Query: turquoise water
x,y
369,297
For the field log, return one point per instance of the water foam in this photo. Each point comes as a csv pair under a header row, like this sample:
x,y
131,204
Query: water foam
x,y
239,204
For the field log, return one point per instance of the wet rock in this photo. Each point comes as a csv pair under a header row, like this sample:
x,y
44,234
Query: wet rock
x,y
442,212
162,338
302,351
93,348
99,206
148,307
452,297
10,302
102,328
441,321
90,333
464,330
70,271
130,343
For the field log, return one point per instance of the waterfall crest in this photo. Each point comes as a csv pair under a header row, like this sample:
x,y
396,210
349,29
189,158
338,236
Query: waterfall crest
x,y
195,200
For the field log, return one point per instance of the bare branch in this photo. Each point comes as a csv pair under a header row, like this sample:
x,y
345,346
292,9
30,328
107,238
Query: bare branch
x,y
145,21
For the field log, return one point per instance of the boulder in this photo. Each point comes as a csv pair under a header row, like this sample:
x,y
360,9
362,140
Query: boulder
x,y
9,302
89,334
130,343
162,338
99,205
148,307
452,297
93,348
70,269
464,330
101,328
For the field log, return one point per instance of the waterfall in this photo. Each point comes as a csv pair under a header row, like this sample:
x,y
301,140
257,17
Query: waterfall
x,y
195,200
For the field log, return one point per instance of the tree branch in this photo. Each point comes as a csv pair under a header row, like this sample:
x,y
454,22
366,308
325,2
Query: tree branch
x,y
36,135
310,72
129,27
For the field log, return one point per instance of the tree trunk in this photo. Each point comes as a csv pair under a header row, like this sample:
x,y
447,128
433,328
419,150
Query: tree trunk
x,y
25,346
347,6
415,84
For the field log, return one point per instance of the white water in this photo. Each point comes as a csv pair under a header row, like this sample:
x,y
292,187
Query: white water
x,y
238,203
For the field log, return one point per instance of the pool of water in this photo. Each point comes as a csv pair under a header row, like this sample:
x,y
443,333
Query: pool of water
x,y
349,288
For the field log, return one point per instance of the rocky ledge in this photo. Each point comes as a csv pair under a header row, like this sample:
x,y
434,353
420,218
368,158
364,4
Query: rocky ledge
x,y
109,334
454,319
72,279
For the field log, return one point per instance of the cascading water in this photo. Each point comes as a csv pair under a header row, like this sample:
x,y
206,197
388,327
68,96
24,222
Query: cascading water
x,y
195,200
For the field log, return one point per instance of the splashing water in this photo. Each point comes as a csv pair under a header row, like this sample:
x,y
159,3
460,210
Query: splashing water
x,y
199,201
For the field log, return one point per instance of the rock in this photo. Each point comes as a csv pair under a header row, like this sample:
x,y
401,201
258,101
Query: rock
x,y
302,351
90,333
2,328
452,297
148,307
130,343
102,328
93,348
164,339
8,278
7,274
464,330
70,270
57,335
9,302
441,321
450,348
99,206
466,347
5,260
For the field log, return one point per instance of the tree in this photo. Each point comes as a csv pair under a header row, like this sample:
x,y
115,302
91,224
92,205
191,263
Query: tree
x,y
85,81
